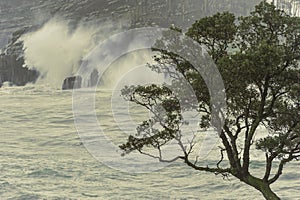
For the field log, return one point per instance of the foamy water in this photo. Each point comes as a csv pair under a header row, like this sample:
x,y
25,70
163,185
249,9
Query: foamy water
x,y
42,157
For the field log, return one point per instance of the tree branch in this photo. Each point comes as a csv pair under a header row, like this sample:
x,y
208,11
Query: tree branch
x,y
217,171
269,160
280,167
222,156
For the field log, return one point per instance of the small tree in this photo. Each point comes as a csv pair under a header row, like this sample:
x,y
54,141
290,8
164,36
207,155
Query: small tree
x,y
257,57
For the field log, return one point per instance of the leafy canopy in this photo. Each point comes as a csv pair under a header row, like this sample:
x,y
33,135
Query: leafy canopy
x,y
258,58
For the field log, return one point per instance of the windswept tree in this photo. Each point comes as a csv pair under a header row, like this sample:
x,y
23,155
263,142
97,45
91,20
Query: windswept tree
x,y
258,59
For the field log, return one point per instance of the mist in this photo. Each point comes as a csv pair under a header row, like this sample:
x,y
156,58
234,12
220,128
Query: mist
x,y
56,51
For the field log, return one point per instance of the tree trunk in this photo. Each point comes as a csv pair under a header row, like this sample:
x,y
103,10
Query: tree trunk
x,y
268,193
262,186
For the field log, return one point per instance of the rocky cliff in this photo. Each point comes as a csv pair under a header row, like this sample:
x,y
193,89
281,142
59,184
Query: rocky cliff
x,y
12,67
17,17
12,70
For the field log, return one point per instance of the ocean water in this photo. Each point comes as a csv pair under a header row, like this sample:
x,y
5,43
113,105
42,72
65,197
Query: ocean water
x,y
42,157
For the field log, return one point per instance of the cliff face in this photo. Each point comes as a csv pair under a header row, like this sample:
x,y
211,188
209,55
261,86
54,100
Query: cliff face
x,y
16,14
73,82
19,16
12,70
12,62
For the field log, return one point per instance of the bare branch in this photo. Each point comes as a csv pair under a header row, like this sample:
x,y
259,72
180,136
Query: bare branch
x,y
217,171
222,156
280,167
269,160
159,158
279,172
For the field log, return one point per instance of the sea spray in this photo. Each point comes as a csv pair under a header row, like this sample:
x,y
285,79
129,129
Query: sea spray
x,y
56,51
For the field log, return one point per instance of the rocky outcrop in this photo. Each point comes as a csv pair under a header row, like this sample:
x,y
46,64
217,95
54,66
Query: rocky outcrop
x,y
93,78
12,70
15,14
73,82
19,17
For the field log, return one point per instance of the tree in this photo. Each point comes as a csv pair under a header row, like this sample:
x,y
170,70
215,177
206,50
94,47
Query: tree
x,y
258,58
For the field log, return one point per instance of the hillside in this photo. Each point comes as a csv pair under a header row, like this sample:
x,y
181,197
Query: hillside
x,y
18,17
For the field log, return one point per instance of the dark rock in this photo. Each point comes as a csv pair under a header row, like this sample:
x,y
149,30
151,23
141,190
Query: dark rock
x,y
15,14
17,19
94,78
12,67
12,70
73,82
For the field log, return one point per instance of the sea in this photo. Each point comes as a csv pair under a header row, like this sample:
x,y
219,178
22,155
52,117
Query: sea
x,y
44,154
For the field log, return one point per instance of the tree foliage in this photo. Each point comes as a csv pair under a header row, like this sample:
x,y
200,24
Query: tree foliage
x,y
258,58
